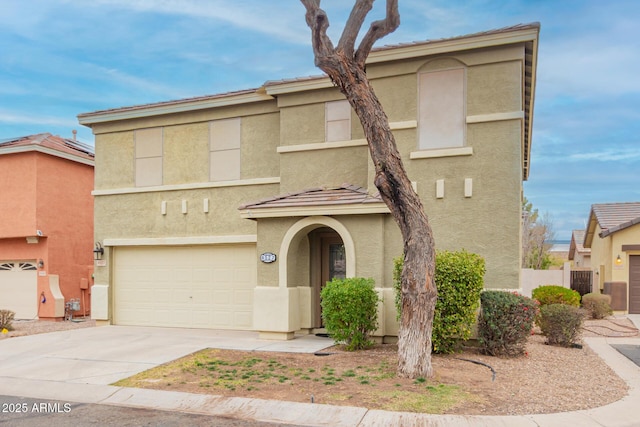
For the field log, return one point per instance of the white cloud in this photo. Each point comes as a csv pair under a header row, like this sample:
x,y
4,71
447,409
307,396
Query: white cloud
x,y
260,16
608,155
8,117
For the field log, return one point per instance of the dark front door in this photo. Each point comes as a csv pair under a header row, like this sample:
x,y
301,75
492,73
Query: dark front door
x,y
329,262
634,284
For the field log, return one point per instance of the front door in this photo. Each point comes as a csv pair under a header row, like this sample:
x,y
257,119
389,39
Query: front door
x,y
329,262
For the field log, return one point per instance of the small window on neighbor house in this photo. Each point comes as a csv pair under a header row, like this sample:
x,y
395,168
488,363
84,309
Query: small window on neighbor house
x,y
148,151
224,149
441,116
337,121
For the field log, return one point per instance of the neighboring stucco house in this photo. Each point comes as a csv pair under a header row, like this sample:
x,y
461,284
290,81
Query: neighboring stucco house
x,y
578,254
613,234
231,210
46,225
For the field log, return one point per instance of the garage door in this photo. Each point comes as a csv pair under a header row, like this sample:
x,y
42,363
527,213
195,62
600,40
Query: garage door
x,y
634,284
19,288
193,287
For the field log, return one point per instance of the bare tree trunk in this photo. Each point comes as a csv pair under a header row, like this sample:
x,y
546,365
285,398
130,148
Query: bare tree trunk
x,y
346,68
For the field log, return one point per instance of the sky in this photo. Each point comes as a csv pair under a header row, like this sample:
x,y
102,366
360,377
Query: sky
x,y
60,58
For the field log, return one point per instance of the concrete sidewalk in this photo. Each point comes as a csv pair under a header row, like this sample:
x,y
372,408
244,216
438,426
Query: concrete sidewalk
x,y
79,365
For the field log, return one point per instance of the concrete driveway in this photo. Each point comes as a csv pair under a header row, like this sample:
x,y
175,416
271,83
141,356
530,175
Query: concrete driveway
x,y
78,365
106,354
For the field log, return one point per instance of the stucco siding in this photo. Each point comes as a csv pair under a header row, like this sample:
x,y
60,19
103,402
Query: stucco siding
x,y
186,154
302,124
308,169
398,95
260,139
114,164
494,88
18,182
139,215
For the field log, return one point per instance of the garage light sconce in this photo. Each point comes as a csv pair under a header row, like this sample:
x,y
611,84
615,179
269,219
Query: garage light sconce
x,y
618,260
98,251
40,263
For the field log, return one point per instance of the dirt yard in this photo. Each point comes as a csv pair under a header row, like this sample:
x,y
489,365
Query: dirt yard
x,y
546,380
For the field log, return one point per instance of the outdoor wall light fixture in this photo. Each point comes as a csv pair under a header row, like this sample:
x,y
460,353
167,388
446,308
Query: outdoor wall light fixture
x,y
618,260
98,251
40,263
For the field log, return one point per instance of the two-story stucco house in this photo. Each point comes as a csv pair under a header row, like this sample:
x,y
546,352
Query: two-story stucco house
x,y
232,210
46,226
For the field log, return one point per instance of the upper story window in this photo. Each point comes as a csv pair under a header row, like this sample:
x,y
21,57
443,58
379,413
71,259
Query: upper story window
x,y
441,109
337,121
148,152
224,149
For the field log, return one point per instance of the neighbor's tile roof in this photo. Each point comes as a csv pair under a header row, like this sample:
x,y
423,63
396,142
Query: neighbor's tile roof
x,y
614,217
53,142
320,196
577,243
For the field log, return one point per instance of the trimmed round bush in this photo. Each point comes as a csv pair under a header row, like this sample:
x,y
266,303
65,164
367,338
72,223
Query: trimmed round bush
x,y
349,311
597,305
561,323
554,294
459,278
505,323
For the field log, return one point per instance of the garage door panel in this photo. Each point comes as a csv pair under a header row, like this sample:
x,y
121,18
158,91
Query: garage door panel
x,y
243,318
198,287
19,288
243,298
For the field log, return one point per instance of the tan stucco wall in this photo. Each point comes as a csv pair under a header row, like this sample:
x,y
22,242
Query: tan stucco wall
x,y
487,223
114,164
628,236
604,252
185,154
601,262
319,168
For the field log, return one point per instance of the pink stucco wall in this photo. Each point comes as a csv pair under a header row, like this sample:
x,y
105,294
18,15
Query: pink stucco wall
x,y
18,183
53,195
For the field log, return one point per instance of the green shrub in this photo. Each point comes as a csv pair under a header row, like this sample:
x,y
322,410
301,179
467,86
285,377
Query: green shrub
x,y
6,318
561,323
505,322
349,311
459,280
554,294
597,305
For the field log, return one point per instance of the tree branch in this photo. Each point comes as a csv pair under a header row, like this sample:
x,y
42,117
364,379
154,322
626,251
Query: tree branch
x,y
318,21
378,30
354,24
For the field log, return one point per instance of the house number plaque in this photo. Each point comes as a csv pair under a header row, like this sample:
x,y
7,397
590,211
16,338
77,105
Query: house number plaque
x,y
268,257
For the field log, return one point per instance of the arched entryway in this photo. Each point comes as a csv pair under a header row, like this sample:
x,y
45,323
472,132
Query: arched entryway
x,y
323,248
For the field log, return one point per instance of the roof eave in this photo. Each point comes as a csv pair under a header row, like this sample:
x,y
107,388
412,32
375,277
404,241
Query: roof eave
x,y
180,106
344,209
46,150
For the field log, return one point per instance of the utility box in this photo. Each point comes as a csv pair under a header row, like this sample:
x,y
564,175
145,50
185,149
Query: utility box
x,y
618,293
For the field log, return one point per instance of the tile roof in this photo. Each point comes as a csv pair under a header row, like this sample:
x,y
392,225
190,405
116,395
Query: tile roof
x,y
53,142
577,243
171,102
412,44
614,217
320,196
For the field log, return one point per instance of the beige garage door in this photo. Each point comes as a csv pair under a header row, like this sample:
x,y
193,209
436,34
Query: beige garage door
x,y
19,288
192,287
